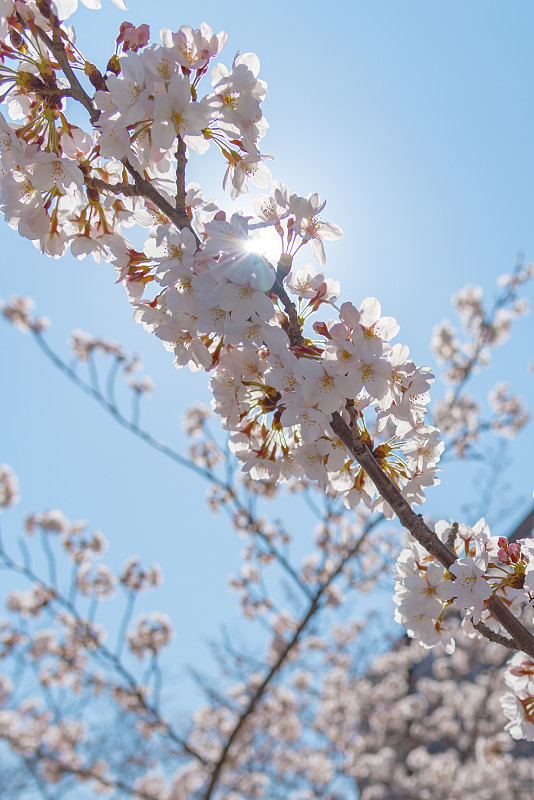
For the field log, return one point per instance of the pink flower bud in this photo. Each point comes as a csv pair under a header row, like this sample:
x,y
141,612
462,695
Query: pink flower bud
x,y
133,38
514,551
502,555
321,329
502,542
517,671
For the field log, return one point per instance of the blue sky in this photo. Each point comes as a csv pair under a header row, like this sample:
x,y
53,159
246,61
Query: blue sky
x,y
414,120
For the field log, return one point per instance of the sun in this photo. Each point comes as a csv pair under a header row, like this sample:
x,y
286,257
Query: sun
x,y
264,242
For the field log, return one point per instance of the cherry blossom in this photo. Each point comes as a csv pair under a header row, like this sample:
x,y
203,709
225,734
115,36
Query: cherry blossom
x,y
313,397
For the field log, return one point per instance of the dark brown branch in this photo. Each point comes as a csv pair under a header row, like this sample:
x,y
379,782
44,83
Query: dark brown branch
x,y
258,694
128,189
413,522
181,164
295,329
408,518
146,189
521,636
56,46
494,637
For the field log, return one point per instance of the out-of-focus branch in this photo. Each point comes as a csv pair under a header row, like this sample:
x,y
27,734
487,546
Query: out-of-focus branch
x,y
107,655
259,691
458,414
524,529
108,784
133,427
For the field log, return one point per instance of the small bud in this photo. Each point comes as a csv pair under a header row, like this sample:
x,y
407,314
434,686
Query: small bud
x,y
94,76
502,542
321,329
502,555
44,7
15,38
514,551
93,196
114,65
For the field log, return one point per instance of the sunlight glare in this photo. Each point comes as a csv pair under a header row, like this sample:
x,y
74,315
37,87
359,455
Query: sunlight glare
x,y
266,243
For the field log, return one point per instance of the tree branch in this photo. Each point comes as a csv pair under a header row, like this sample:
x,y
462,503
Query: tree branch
x,y
313,608
106,655
131,426
77,92
413,522
128,189
494,637
295,330
178,216
181,164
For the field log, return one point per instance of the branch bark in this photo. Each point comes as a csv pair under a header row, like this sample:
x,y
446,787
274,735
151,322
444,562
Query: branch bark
x,y
413,522
56,46
146,189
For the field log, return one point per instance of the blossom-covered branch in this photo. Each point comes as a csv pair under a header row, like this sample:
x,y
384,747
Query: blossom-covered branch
x,y
310,391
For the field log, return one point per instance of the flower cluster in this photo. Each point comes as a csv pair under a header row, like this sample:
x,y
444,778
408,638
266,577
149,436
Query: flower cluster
x,y
60,185
275,389
150,634
518,704
458,415
9,487
485,567
18,312
219,301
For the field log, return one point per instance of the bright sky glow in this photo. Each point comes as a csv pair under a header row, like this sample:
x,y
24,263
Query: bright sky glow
x,y
265,242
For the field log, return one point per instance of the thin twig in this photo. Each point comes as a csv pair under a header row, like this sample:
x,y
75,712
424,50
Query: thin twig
x,y
181,164
130,425
106,655
452,535
313,608
128,189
